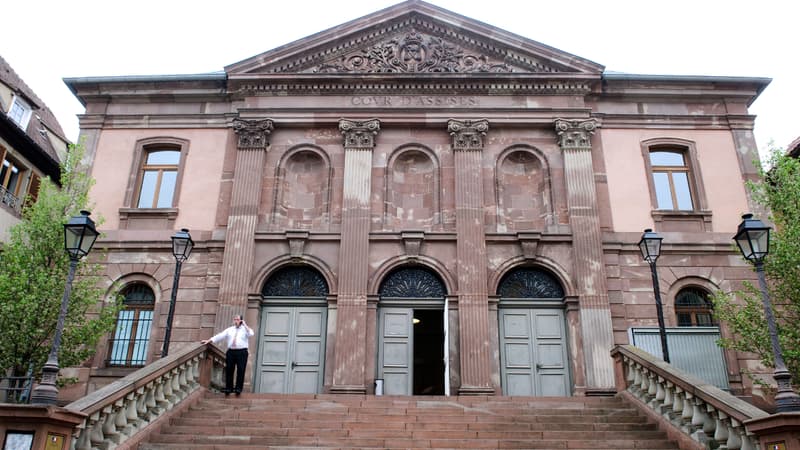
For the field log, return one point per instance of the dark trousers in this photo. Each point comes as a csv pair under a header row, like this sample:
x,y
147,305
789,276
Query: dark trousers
x,y
235,359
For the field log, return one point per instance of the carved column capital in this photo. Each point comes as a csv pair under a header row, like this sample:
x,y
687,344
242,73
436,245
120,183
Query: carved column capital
x,y
468,134
359,134
575,133
253,134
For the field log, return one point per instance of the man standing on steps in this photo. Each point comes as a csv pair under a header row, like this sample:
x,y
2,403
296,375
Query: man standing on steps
x,y
236,338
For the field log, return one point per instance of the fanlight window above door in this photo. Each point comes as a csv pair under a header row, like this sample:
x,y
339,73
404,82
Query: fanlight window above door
x,y
412,282
295,281
529,283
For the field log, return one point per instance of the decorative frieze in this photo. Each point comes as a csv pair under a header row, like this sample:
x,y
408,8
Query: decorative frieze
x,y
253,134
575,133
414,53
468,134
359,134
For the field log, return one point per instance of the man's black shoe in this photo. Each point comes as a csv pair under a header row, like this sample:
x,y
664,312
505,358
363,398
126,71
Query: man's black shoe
x,y
226,392
238,393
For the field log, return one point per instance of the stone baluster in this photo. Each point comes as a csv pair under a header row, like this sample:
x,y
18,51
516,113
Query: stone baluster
x,y
96,437
81,440
141,404
700,421
721,434
177,386
110,434
687,414
669,399
161,396
677,407
153,409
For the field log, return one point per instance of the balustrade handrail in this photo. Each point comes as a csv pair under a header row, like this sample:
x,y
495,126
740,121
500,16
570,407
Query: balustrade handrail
x,y
118,412
710,394
120,388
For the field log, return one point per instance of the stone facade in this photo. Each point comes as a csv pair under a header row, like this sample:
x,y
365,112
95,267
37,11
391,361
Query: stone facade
x,y
312,175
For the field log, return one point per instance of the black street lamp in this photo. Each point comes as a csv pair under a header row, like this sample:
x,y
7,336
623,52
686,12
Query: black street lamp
x,y
182,245
752,237
650,246
79,237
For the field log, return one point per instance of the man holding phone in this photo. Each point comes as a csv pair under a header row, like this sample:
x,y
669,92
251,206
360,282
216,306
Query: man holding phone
x,y
236,338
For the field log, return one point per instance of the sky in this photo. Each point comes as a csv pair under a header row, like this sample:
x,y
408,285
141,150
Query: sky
x,y
48,40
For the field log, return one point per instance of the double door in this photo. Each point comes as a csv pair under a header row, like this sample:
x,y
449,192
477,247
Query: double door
x,y
291,349
533,354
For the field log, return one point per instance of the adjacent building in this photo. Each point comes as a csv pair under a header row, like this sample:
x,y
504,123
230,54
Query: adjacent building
x,y
31,145
418,202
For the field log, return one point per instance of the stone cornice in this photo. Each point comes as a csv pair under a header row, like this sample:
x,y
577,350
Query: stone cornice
x,y
399,84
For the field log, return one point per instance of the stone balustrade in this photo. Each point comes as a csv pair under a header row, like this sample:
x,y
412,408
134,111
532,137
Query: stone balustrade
x,y
702,412
116,412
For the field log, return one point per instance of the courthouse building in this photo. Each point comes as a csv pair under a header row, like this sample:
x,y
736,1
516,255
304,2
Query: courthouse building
x,y
422,199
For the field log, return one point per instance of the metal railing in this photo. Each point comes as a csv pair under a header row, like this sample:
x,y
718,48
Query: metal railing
x,y
9,199
16,389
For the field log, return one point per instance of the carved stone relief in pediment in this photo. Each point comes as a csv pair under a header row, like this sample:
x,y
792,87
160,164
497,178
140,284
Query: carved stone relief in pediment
x,y
413,52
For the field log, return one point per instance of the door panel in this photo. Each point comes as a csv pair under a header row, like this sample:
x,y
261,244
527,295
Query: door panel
x,y
396,350
292,343
533,352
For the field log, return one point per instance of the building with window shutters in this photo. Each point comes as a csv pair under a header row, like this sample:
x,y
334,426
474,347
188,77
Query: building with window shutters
x,y
31,146
421,201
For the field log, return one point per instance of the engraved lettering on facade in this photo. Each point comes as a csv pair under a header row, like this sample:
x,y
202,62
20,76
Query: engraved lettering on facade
x,y
413,101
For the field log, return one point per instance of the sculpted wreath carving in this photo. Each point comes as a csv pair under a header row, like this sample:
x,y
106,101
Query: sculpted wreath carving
x,y
415,53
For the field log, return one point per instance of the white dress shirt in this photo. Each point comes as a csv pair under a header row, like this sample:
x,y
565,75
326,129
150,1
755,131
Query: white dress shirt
x,y
236,337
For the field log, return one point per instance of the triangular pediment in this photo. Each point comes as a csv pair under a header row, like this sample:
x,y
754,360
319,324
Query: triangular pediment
x,y
414,37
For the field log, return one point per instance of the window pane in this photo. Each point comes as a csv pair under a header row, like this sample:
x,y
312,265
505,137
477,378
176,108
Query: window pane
x,y
164,157
167,189
139,356
148,190
704,320
682,190
684,319
663,194
667,159
119,350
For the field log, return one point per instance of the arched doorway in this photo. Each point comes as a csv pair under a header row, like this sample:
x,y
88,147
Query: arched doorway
x,y
291,347
412,333
533,344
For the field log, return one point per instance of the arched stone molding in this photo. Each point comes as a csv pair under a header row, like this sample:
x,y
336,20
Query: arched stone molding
x,y
436,218
399,261
117,285
280,175
731,357
547,195
263,274
541,262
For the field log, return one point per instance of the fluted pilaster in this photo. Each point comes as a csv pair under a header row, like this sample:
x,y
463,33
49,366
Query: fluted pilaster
x,y
237,262
473,302
574,138
350,356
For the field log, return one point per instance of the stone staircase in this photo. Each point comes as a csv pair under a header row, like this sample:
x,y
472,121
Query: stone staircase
x,y
266,421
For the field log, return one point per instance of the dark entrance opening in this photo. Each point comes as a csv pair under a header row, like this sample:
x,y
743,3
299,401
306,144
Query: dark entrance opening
x,y
428,352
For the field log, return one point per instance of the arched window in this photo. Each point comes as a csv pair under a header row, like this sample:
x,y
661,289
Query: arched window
x,y
693,308
295,281
529,282
132,335
412,282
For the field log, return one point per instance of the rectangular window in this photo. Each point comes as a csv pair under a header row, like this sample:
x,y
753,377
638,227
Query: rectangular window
x,y
129,347
159,177
671,180
20,113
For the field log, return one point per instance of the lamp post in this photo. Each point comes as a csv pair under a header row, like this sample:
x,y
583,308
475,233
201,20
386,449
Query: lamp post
x,y
182,245
79,237
752,237
650,246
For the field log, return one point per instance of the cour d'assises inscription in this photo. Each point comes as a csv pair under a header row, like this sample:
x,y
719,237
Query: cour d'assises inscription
x,y
415,101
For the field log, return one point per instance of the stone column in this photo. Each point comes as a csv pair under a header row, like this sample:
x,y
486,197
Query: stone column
x,y
237,261
574,138
473,300
351,305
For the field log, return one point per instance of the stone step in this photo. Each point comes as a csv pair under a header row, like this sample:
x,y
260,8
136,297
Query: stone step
x,y
365,422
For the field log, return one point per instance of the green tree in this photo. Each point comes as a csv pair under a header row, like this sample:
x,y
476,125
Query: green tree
x,y
779,193
33,272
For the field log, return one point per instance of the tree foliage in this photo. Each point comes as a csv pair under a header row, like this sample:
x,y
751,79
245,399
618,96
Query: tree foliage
x,y
779,193
33,272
